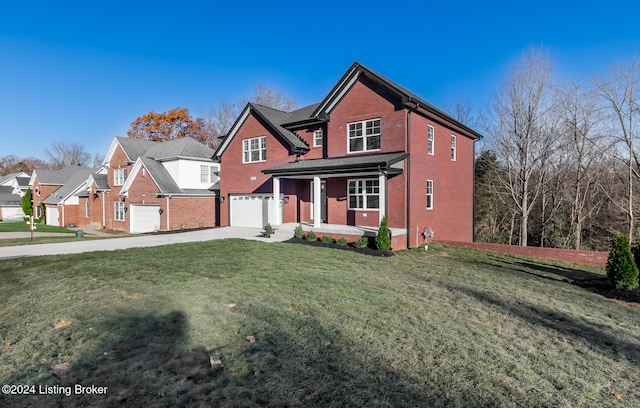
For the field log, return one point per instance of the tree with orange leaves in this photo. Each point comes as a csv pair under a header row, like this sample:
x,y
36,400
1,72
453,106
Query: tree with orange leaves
x,y
160,127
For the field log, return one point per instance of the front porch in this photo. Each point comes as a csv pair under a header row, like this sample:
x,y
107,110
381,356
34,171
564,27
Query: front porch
x,y
350,232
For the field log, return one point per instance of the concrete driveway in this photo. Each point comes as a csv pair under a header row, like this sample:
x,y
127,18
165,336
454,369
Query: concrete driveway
x,y
80,246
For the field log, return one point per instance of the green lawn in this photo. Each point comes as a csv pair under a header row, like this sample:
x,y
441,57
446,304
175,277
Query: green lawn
x,y
243,323
19,226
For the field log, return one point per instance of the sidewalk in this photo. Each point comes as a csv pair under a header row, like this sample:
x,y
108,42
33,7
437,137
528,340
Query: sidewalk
x,y
138,241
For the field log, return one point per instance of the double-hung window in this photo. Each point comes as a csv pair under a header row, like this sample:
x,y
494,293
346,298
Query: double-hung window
x,y
254,149
119,176
429,194
86,208
118,209
431,134
317,138
364,136
204,174
453,148
364,194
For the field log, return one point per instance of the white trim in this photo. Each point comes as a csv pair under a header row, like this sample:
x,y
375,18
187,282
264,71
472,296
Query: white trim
x,y
116,179
431,137
342,89
364,135
115,211
246,148
429,196
234,130
364,194
454,148
315,132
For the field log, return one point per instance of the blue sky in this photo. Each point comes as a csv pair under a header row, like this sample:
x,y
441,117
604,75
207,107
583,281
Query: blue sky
x,y
81,71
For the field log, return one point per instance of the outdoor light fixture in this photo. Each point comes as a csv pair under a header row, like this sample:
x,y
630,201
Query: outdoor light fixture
x,y
126,209
160,211
286,199
222,199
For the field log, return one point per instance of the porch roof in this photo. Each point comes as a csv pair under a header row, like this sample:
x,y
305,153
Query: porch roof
x,y
335,166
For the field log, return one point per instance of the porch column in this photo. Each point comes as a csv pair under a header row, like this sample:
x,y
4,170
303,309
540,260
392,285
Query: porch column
x,y
382,184
317,203
276,201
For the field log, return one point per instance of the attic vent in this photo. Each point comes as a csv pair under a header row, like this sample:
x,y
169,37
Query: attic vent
x,y
144,172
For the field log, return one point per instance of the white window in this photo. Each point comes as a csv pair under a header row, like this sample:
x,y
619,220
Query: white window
x,y
214,174
86,208
254,149
429,194
317,138
453,148
118,209
431,139
364,194
364,136
204,174
119,176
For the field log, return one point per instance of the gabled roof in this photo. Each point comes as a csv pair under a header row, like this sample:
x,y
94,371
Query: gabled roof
x,y
407,98
275,119
185,147
21,175
101,181
75,182
56,177
163,180
7,198
340,165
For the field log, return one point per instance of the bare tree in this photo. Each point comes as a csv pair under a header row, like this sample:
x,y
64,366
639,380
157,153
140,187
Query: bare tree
x,y
462,111
523,125
61,155
219,119
620,89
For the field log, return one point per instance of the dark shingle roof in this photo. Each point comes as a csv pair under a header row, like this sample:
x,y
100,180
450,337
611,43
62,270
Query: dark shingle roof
x,y
101,181
347,164
134,148
277,118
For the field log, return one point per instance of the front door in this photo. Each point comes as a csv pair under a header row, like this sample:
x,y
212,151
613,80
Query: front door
x,y
323,200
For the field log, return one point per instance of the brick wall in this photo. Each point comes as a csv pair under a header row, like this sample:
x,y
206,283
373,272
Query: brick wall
x,y
592,258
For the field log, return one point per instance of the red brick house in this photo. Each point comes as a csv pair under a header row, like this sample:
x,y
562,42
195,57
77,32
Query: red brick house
x,y
151,186
55,189
370,148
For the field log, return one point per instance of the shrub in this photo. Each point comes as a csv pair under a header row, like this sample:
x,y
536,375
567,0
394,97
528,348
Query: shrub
x,y
299,232
342,241
621,267
310,236
26,203
383,239
361,242
326,239
268,230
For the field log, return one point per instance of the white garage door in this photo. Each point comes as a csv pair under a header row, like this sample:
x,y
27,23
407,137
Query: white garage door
x,y
12,213
251,210
53,216
145,218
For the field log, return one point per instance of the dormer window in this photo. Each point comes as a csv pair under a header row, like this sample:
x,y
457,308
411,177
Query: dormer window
x,y
317,138
364,136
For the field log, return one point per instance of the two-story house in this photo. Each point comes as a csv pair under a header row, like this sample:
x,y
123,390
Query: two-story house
x,y
370,148
154,186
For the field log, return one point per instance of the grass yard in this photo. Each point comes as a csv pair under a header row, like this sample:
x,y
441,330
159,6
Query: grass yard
x,y
243,323
21,226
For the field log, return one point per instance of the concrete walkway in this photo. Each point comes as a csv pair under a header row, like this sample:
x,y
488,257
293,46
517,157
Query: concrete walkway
x,y
80,246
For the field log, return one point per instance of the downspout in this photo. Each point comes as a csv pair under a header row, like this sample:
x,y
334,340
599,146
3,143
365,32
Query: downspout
x,y
409,178
104,220
63,224
168,219
473,198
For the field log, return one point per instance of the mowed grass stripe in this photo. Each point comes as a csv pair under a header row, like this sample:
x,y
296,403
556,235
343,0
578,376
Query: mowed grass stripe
x,y
444,327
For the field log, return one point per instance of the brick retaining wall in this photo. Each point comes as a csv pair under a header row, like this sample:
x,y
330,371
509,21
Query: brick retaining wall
x,y
592,258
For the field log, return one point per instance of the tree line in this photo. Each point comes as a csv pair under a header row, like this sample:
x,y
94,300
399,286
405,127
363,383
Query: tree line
x,y
560,164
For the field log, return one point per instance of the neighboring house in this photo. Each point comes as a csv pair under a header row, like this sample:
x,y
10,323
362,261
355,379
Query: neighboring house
x,y
12,188
44,183
62,207
370,148
156,186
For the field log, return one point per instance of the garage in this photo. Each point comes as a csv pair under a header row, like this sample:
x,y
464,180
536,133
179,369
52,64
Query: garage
x,y
52,216
144,218
251,210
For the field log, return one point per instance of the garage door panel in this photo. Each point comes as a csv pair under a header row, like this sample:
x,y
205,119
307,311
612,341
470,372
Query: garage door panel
x,y
253,211
145,218
52,216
